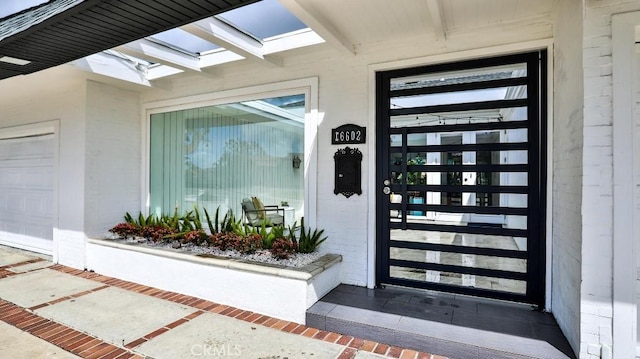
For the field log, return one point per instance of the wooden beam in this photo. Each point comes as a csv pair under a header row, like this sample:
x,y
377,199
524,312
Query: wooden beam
x,y
113,66
155,52
321,26
220,33
437,17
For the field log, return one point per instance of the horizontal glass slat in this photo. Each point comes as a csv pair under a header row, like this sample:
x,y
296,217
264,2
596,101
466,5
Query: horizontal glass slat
x,y
502,188
466,168
457,77
416,179
468,96
431,157
444,226
453,87
468,147
455,138
457,279
474,200
432,118
459,107
460,259
460,239
417,215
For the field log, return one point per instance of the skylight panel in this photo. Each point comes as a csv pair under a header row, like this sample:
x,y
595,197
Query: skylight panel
x,y
262,19
10,7
185,41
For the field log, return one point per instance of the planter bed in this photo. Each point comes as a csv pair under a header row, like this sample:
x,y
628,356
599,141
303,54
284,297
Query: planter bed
x,y
270,289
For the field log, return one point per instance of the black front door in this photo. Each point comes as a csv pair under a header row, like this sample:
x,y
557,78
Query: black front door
x,y
461,179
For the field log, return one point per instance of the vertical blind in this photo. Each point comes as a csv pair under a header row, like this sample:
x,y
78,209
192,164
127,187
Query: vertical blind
x,y
215,156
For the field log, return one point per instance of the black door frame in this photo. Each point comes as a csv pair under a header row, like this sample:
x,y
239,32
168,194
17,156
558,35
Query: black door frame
x,y
536,82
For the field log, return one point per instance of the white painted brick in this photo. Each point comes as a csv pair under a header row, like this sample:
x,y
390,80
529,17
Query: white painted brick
x,y
605,70
113,130
590,337
596,41
606,336
593,349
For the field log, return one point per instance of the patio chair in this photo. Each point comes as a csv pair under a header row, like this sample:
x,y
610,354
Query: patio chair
x,y
254,213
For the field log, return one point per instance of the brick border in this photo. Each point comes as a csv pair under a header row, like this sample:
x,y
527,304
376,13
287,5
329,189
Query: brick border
x,y
5,272
90,347
352,345
60,335
62,299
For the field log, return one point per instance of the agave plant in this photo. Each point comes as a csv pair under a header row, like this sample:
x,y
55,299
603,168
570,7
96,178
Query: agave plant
x,y
308,241
217,226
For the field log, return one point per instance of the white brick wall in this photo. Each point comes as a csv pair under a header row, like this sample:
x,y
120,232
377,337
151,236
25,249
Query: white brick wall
x,y
98,123
56,94
567,167
597,189
636,183
113,156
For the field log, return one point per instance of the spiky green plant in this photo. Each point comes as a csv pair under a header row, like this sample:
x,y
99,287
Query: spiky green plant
x,y
309,241
129,219
213,228
227,222
172,222
197,222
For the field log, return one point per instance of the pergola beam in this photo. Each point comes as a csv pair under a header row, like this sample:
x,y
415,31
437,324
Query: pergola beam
x,y
293,40
437,17
160,71
319,25
158,53
224,35
113,66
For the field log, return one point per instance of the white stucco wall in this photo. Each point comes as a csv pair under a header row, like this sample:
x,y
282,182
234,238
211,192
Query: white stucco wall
x,y
567,180
113,155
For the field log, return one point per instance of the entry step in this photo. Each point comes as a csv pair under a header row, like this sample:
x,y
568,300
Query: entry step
x,y
442,324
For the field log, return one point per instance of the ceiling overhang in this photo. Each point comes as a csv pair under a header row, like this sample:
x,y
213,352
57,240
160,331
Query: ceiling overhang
x,y
61,31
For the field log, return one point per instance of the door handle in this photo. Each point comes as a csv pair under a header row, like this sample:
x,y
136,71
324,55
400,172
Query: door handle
x,y
386,189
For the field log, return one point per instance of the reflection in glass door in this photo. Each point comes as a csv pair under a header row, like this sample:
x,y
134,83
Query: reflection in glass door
x,y
461,177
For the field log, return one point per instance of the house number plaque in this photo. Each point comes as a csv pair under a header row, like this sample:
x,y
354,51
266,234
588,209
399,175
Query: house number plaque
x,y
348,135
348,163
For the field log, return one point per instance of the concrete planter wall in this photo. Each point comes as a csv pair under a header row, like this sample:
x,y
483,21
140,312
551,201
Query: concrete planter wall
x,y
277,291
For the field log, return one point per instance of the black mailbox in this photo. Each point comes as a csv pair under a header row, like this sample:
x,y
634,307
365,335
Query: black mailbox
x,y
348,162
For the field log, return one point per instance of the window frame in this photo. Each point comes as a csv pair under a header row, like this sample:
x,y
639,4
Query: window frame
x,y
306,86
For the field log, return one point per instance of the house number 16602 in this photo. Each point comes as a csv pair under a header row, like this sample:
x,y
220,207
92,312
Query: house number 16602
x,y
348,134
345,136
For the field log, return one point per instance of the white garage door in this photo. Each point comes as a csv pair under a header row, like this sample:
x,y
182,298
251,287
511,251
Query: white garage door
x,y
26,192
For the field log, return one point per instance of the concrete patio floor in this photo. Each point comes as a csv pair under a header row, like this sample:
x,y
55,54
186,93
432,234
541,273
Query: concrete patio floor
x,y
52,311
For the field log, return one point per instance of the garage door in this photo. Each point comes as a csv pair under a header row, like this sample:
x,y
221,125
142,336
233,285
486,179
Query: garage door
x,y
26,192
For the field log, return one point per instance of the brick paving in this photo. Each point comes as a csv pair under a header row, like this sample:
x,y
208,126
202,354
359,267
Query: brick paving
x,y
87,346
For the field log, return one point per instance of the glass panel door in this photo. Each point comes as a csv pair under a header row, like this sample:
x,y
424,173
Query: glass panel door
x,y
460,177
